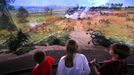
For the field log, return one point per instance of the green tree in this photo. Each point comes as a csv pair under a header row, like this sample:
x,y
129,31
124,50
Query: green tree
x,y
6,21
116,6
48,11
11,8
22,15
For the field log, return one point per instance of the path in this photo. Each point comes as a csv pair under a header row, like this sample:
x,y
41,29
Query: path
x,y
82,38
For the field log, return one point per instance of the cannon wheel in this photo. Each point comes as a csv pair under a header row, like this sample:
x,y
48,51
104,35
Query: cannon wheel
x,y
94,41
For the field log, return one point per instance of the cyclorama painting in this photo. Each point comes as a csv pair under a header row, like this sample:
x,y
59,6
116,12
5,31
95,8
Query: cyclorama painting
x,y
27,25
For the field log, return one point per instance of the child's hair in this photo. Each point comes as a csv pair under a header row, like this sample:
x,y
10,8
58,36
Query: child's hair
x,y
71,48
39,56
122,50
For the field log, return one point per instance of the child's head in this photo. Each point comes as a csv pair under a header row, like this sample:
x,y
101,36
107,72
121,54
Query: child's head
x,y
120,50
71,46
39,56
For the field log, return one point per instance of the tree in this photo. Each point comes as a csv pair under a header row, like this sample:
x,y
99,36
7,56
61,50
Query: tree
x,y
6,21
11,8
116,6
51,11
22,15
46,9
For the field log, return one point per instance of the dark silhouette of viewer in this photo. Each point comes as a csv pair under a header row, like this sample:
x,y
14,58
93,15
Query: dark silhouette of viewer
x,y
117,64
44,64
73,63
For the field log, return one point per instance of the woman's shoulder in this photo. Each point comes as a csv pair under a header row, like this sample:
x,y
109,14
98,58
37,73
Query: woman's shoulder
x,y
62,58
81,55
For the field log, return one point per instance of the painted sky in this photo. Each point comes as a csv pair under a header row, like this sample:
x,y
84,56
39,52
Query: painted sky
x,y
70,2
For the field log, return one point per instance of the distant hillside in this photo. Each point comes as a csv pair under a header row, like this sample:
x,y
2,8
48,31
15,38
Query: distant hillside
x,y
43,8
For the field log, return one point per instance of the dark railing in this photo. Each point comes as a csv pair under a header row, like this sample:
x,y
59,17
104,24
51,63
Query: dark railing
x,y
23,65
28,71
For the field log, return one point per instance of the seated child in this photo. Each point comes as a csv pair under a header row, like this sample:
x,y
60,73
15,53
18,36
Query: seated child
x,y
44,64
117,64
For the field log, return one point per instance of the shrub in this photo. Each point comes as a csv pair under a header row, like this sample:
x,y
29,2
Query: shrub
x,y
24,49
64,38
58,39
15,42
53,40
4,34
117,39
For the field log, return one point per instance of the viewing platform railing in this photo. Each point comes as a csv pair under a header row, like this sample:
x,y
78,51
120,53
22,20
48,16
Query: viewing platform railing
x,y
28,71
22,65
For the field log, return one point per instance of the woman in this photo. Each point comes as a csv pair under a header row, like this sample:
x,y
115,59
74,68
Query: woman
x,y
73,63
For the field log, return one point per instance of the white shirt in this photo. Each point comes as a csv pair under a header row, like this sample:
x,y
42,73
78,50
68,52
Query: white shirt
x,y
80,67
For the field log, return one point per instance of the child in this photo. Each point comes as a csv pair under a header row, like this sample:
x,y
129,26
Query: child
x,y
116,65
44,64
73,63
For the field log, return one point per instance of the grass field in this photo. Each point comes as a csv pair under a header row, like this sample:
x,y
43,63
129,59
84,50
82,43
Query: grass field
x,y
119,27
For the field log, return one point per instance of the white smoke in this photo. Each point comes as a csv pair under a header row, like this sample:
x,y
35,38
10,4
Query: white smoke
x,y
79,14
34,24
85,13
75,15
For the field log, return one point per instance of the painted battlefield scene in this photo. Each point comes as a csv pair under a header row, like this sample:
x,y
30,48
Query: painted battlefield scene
x,y
25,29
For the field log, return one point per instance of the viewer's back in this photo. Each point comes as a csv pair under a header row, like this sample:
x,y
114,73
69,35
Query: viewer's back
x,y
80,67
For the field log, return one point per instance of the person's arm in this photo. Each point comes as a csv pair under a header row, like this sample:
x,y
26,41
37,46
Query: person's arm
x,y
96,70
50,62
34,71
94,65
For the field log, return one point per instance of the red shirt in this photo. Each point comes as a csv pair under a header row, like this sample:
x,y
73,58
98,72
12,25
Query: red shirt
x,y
44,68
110,67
